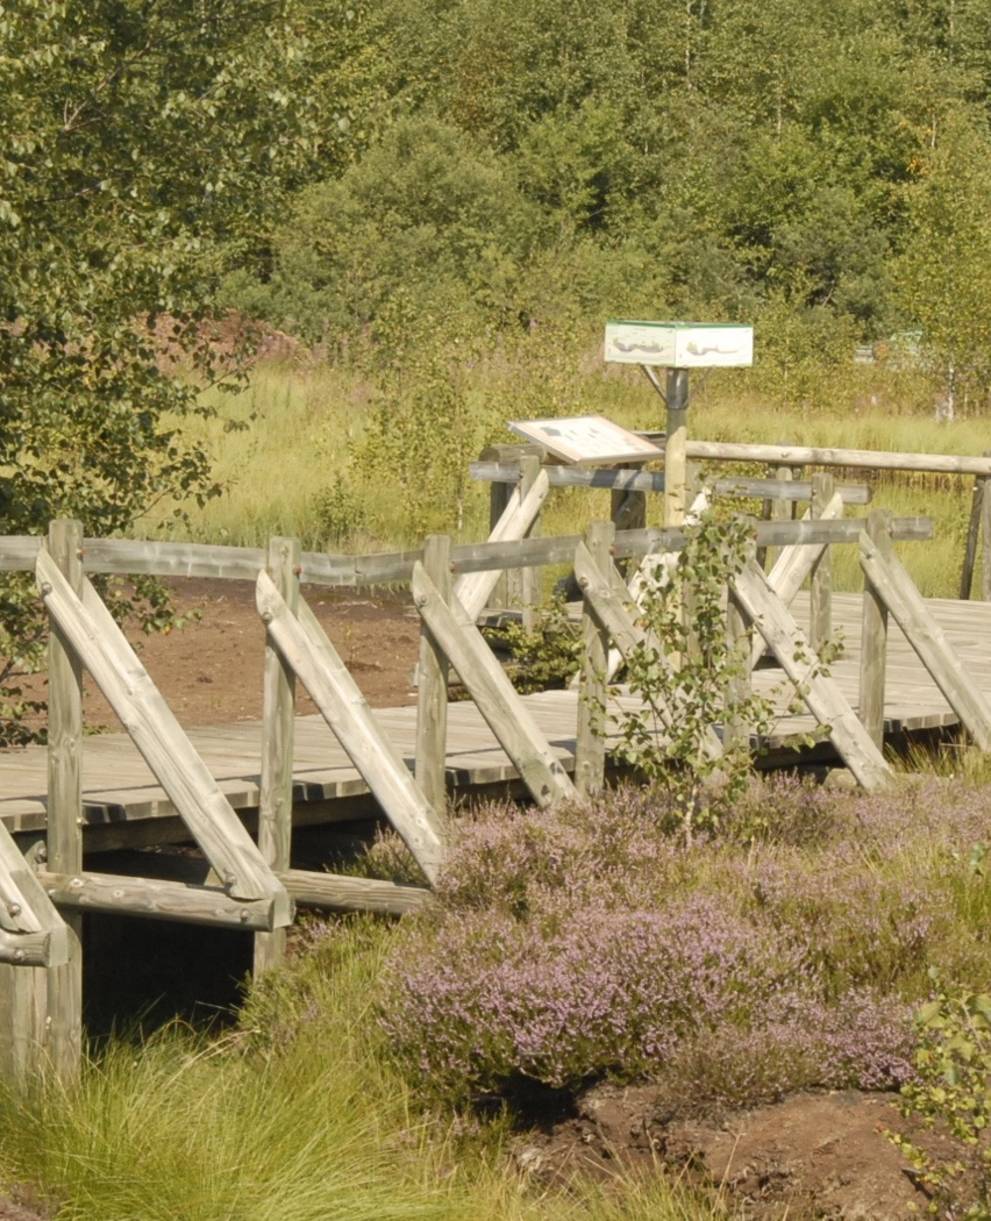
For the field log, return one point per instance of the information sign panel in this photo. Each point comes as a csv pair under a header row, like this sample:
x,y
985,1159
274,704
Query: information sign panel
x,y
587,440
679,345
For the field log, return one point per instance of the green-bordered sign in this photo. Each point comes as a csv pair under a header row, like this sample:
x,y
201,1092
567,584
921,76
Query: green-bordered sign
x,y
679,345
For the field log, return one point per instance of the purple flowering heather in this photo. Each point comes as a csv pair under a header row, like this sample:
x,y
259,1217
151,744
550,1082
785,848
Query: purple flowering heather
x,y
582,941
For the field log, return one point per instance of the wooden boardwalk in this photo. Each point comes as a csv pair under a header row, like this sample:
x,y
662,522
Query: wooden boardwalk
x,y
122,798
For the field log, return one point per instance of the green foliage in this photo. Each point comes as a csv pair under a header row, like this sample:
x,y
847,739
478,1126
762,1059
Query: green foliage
x,y
545,655
296,1113
952,1091
684,673
145,145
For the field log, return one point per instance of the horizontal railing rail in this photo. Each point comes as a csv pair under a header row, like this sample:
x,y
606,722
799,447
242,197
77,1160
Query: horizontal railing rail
x,y
627,480
124,557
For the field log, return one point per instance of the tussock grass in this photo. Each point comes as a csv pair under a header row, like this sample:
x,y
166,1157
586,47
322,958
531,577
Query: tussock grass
x,y
296,1115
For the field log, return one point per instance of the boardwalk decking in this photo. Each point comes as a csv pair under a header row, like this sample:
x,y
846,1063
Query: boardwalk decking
x,y
120,792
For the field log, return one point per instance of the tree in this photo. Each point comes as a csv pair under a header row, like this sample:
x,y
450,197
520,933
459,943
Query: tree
x,y
147,143
943,275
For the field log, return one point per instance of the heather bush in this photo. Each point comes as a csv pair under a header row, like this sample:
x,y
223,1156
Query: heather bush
x,y
590,941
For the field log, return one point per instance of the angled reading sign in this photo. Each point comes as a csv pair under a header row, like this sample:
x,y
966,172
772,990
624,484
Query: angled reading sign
x,y
679,345
586,439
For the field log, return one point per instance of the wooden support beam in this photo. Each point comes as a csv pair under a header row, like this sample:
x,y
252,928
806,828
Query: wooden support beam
x,y
874,637
590,742
155,898
793,566
65,804
736,731
776,510
611,604
808,455
278,721
338,893
626,480
522,509
892,582
34,940
453,627
431,688
306,648
25,950
653,569
821,577
820,694
91,631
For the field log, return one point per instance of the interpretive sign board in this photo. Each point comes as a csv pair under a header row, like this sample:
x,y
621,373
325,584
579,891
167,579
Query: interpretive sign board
x,y
679,345
587,439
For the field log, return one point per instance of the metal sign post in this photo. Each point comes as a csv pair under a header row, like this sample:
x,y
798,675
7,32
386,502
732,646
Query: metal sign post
x,y
677,347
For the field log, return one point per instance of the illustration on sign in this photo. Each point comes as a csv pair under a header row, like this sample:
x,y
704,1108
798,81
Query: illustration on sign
x,y
679,345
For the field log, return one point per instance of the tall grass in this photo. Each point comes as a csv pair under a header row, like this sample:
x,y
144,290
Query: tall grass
x,y
296,1115
296,429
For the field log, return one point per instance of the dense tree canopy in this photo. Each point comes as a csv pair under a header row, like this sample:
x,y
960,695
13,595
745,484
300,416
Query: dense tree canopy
x,y
720,153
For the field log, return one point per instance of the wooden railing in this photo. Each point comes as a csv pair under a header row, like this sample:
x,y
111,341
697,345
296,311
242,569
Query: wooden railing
x,y
504,465
252,885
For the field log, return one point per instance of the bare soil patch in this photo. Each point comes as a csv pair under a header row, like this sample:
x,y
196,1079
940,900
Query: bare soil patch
x,y
210,670
811,1155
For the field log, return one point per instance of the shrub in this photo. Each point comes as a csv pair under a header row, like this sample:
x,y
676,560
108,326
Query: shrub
x,y
587,941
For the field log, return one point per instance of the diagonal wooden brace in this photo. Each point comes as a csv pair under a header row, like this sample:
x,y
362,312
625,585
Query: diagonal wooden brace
x,y
821,695
453,627
891,580
102,647
305,647
611,603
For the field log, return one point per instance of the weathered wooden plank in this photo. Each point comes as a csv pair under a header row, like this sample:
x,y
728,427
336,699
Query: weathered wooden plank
x,y
630,480
65,805
973,534
339,893
793,566
306,648
821,576
590,745
103,648
808,455
895,586
155,898
822,696
453,627
432,680
610,602
277,747
522,509
874,638
24,950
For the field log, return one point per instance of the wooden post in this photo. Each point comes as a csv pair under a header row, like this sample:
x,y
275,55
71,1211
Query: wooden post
x,y
874,636
821,580
432,675
675,441
590,743
628,511
499,494
973,534
278,719
776,510
739,644
65,805
524,583
986,544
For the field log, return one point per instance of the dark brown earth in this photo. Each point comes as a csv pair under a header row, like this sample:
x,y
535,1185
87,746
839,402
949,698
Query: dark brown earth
x,y
812,1155
210,670
11,1210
